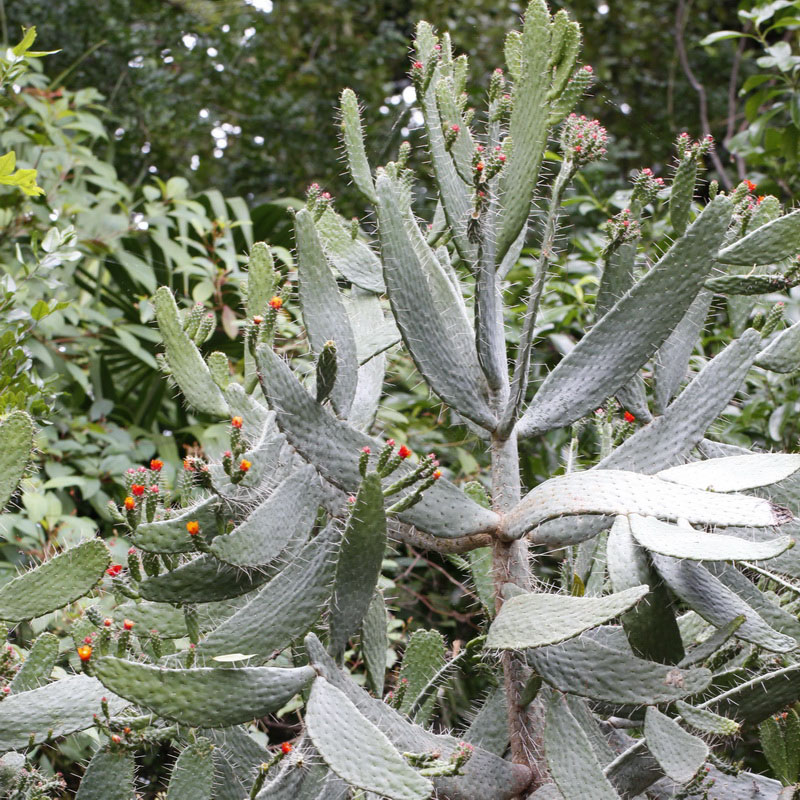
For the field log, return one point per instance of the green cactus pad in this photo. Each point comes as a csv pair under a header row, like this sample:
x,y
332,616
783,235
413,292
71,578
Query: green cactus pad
x,y
706,721
436,332
38,665
485,775
170,535
768,244
776,616
375,643
695,545
262,279
333,447
55,583
185,362
453,192
671,363
284,609
618,492
669,437
705,649
617,346
489,728
755,700
423,658
679,753
287,513
162,617
359,564
612,674
354,258
109,776
204,697
539,619
528,124
202,580
353,138
324,313
62,707
783,352
734,473
682,193
717,604
16,441
192,776
356,750
570,758
650,625
748,284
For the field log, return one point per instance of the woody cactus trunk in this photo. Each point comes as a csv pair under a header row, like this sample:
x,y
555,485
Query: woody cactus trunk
x,y
674,624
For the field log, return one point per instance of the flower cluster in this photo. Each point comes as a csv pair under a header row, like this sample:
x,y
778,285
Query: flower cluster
x,y
622,228
688,149
646,187
583,140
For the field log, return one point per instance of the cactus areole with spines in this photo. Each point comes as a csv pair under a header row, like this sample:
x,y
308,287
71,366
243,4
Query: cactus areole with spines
x,y
254,584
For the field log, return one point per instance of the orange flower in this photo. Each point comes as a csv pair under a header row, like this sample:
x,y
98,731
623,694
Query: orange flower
x,y
751,187
85,652
156,464
276,303
237,422
286,748
129,503
245,465
137,489
193,527
437,474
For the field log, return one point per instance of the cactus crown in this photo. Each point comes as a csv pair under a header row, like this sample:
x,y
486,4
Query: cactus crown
x,y
251,579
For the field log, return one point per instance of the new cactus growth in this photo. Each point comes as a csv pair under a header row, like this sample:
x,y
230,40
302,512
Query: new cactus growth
x,y
247,588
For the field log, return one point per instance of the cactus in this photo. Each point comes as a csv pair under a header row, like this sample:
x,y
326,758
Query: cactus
x,y
273,540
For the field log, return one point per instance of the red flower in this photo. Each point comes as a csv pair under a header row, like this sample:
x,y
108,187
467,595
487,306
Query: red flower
x,y
156,464
237,422
84,652
129,503
128,624
114,570
629,417
403,452
751,187
286,748
193,527
245,465
137,489
276,303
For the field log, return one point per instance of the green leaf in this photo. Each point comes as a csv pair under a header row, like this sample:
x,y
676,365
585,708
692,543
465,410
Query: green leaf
x,y
721,36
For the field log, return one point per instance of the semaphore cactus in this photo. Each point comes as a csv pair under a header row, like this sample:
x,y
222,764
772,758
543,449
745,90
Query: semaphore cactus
x,y
657,642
